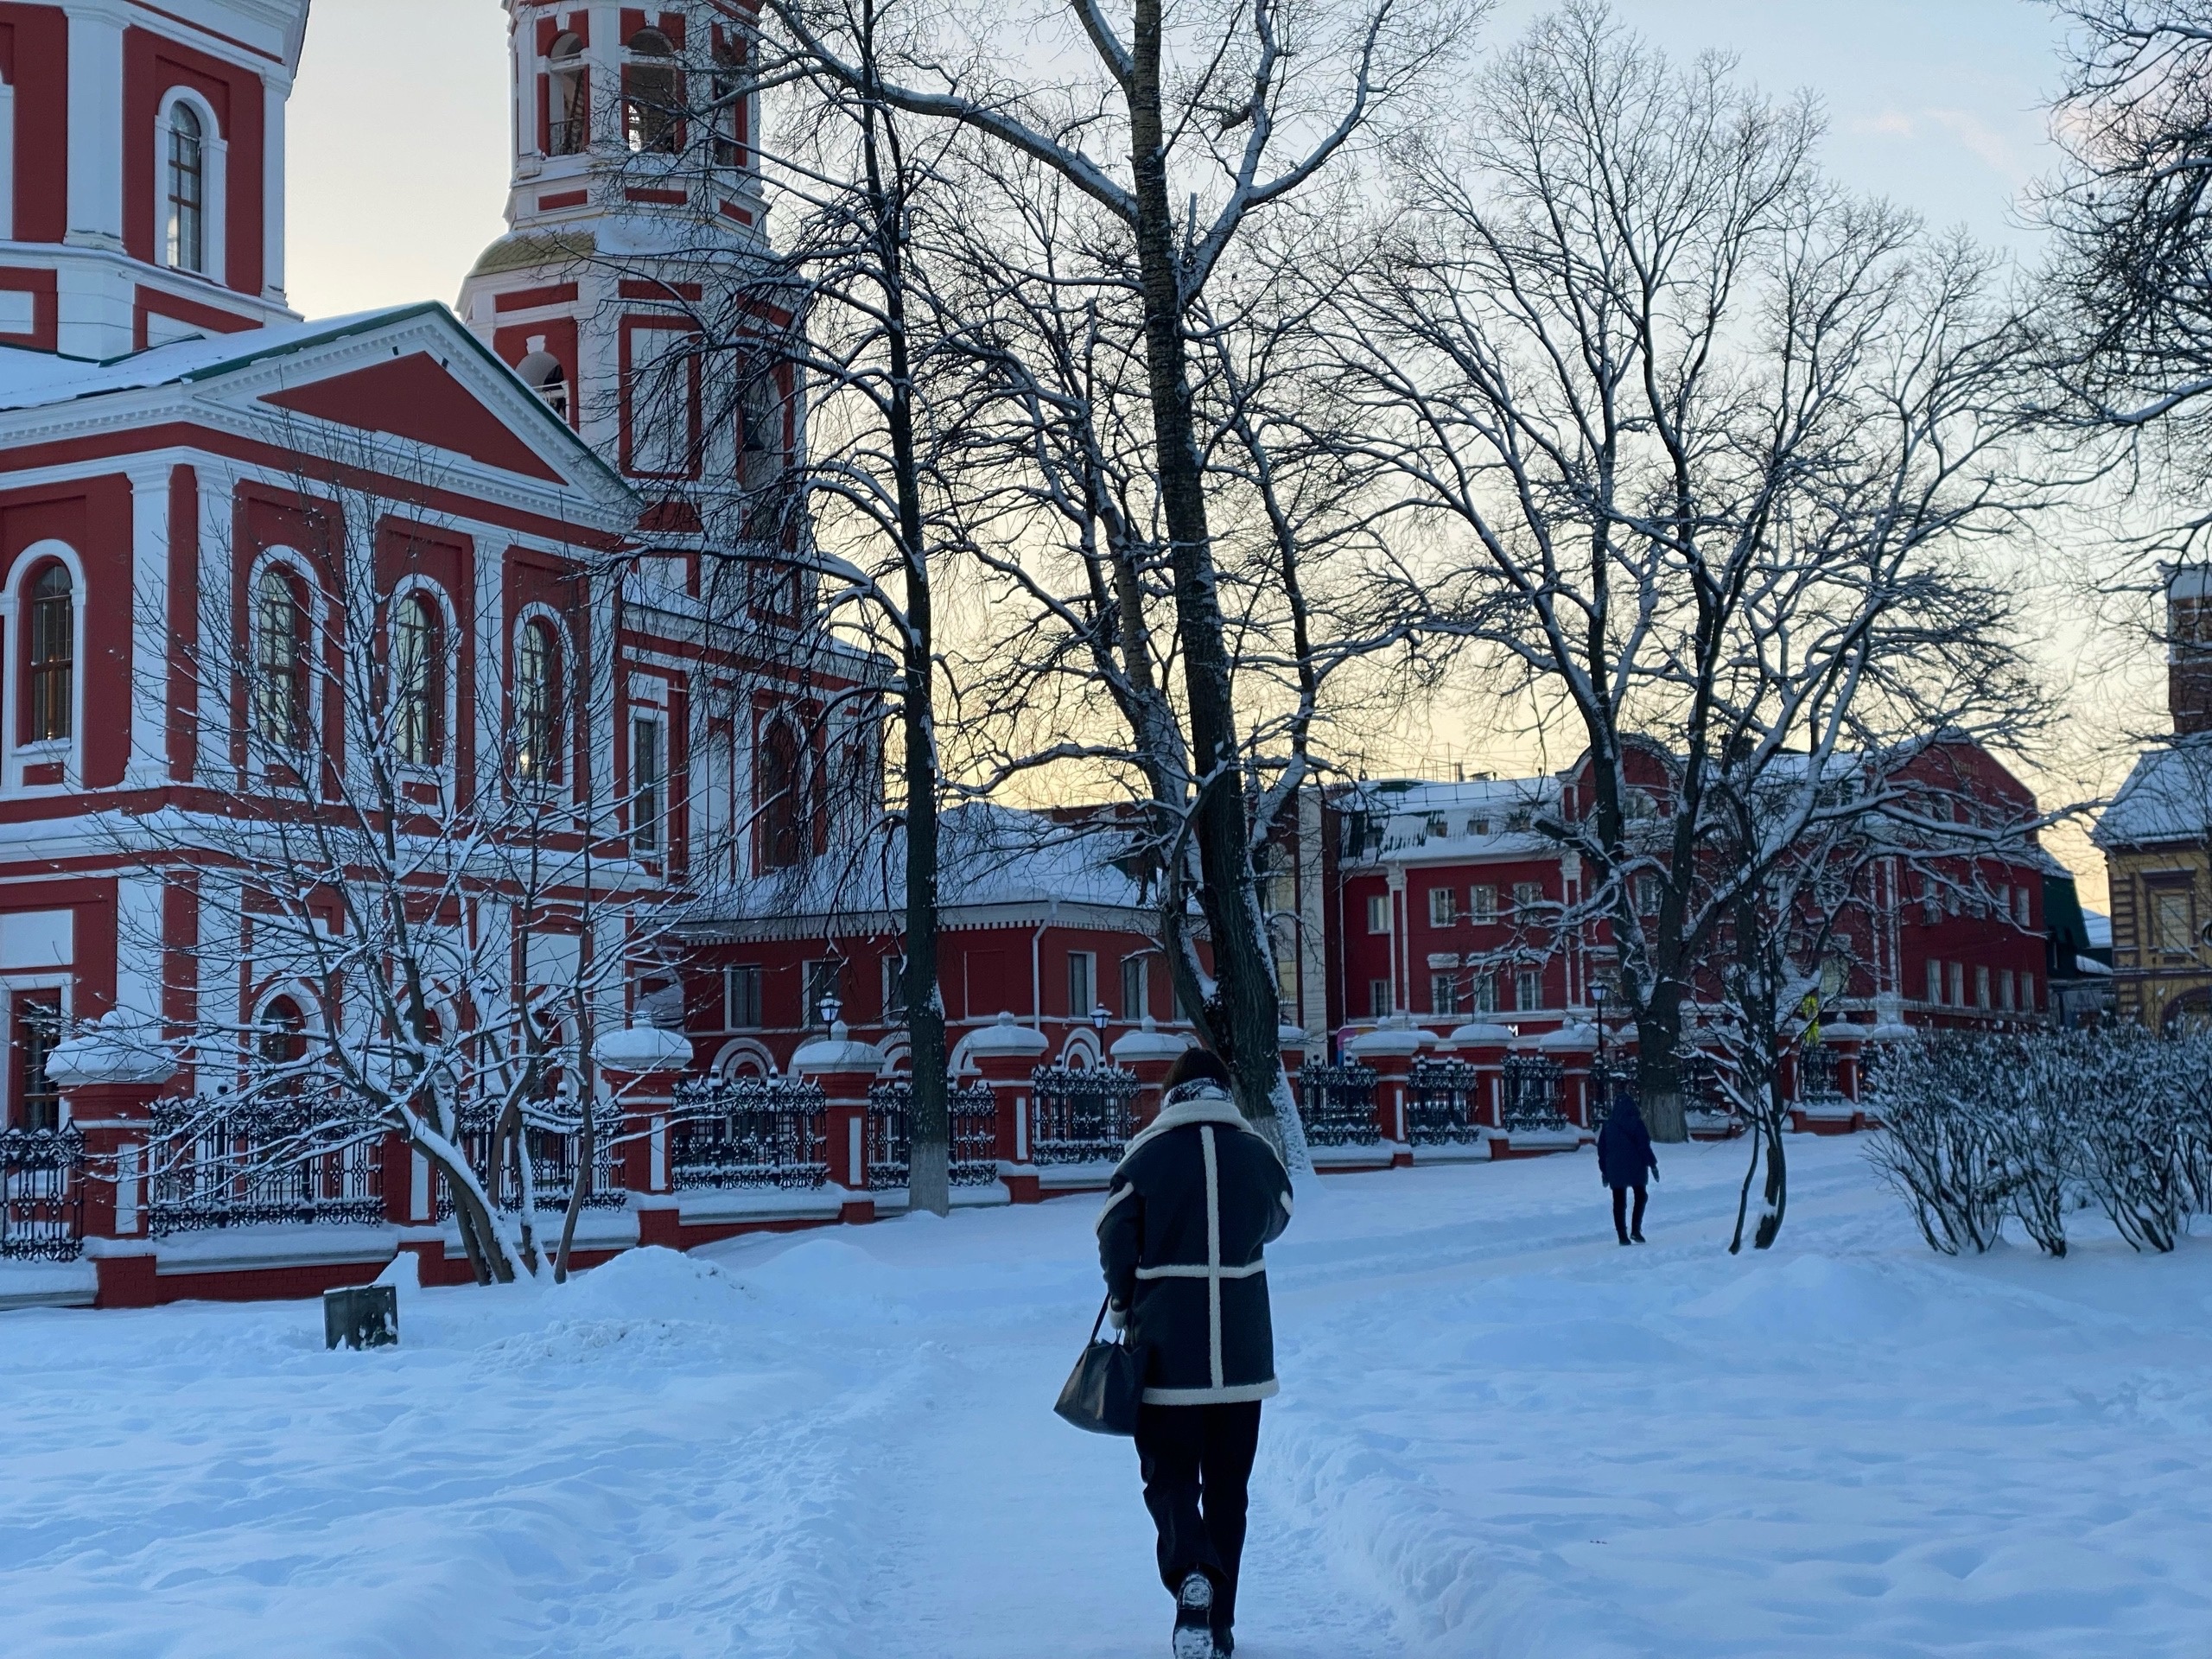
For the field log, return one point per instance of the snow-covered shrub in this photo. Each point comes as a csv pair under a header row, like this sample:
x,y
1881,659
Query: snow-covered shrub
x,y
1939,1150
1983,1128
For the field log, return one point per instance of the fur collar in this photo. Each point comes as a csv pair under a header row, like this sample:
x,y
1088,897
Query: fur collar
x,y
1194,1103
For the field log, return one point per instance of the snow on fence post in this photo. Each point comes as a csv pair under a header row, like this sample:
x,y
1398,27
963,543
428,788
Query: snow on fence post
x,y
1572,1048
845,1070
638,1067
1482,1046
1005,1054
1148,1053
109,1077
1389,1051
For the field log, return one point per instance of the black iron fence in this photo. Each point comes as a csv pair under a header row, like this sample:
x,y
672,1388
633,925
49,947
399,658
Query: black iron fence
x,y
216,1162
1080,1116
1816,1074
553,1147
748,1132
1612,1075
1533,1086
41,1194
1443,1103
1335,1105
973,1110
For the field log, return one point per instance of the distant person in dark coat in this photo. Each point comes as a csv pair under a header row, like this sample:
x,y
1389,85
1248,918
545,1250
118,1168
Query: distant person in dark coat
x,y
1624,1159
1194,1201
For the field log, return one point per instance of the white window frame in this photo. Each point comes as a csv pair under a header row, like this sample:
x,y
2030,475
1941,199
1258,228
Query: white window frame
x,y
13,613
637,462
215,179
564,669
1482,906
1136,975
1442,906
1089,959
1378,909
1528,989
654,719
1934,983
6,161
449,620
314,620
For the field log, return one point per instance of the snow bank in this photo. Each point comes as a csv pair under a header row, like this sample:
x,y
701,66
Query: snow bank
x,y
1501,1437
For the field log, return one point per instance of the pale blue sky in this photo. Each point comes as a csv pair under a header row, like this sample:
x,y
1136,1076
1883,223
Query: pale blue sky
x,y
398,181
1936,103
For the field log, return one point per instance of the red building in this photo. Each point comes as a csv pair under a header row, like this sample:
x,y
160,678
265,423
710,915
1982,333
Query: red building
x,y
1452,904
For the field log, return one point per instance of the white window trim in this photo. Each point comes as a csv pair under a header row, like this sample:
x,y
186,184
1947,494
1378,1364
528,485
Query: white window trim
x,y
405,588
563,669
63,980
216,177
70,752
317,621
656,717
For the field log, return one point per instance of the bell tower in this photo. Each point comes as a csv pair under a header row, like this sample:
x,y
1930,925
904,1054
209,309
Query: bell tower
x,y
635,211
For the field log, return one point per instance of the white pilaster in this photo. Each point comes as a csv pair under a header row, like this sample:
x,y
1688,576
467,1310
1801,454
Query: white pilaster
x,y
149,631
275,92
96,123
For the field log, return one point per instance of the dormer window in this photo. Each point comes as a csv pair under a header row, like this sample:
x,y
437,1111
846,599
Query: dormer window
x,y
185,236
568,110
651,117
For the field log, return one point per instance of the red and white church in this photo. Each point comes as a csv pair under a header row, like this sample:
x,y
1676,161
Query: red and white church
x,y
161,405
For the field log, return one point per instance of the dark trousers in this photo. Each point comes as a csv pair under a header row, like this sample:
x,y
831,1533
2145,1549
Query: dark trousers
x,y
1621,1223
1197,1462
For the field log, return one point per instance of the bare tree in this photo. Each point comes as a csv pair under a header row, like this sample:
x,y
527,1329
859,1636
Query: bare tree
x,y
417,893
1707,444
2129,291
1240,107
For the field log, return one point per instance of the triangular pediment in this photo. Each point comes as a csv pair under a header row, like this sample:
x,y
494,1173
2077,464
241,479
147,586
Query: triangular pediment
x,y
415,399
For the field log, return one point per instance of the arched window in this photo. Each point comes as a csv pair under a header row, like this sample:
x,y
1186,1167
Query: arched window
x,y
568,115
542,372
781,797
281,1045
418,682
651,113
538,701
53,656
186,230
280,688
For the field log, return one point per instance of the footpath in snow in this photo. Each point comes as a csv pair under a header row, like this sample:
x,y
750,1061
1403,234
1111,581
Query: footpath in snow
x,y
1502,1437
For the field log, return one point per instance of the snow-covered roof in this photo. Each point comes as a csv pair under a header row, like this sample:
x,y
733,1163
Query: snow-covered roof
x,y
36,379
2168,795
1481,815
990,857
2098,926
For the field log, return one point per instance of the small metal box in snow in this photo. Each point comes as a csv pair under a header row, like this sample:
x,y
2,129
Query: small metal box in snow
x,y
361,1316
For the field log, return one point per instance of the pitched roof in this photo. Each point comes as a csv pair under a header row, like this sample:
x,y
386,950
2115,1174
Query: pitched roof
x,y
2167,798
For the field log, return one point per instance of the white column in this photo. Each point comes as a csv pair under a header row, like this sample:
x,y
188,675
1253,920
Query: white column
x,y
7,162
149,626
96,123
275,94
139,944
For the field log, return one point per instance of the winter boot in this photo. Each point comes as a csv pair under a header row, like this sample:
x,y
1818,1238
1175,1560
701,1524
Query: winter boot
x,y
1194,1618
1637,1238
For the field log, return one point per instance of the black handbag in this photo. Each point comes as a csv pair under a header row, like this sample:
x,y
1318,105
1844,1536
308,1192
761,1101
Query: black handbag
x,y
1107,1386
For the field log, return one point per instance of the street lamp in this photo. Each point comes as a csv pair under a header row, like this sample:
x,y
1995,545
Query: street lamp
x,y
831,1007
1099,1016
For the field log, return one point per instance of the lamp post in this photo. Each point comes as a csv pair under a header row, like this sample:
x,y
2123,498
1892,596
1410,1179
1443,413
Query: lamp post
x,y
1598,996
831,1007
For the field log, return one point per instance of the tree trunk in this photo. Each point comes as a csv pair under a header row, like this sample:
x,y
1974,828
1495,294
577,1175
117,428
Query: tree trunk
x,y
929,1122
1244,967
1659,1067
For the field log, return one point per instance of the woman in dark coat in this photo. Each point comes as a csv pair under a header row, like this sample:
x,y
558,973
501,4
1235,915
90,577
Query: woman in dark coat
x,y
1624,1158
1196,1200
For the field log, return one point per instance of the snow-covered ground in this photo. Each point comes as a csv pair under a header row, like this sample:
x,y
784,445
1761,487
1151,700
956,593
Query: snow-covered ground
x,y
1501,1436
